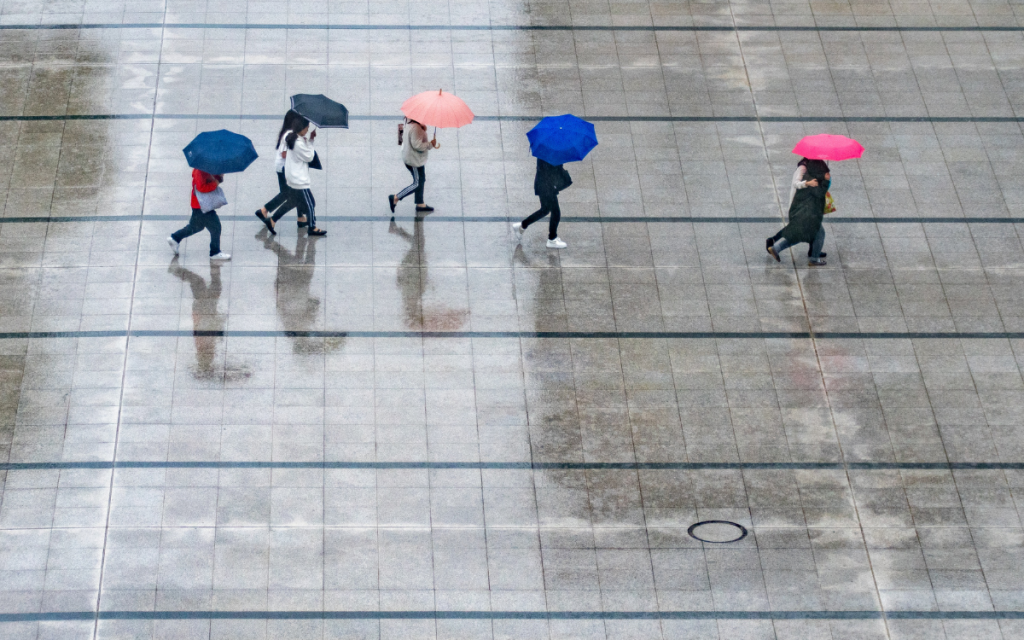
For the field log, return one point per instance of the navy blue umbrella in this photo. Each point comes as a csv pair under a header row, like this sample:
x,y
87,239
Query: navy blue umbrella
x,y
560,139
321,110
220,152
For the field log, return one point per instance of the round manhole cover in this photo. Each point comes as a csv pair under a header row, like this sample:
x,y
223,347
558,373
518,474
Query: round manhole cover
x,y
717,531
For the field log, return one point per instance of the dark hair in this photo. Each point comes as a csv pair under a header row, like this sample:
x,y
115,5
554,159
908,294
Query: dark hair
x,y
286,126
298,124
815,168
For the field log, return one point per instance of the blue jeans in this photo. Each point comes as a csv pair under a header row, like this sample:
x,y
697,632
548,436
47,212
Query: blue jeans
x,y
197,223
819,242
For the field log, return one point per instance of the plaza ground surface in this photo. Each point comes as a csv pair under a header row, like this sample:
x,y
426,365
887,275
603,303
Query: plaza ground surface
x,y
415,428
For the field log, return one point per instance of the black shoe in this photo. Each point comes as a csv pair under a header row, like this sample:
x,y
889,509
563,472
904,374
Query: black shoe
x,y
316,232
392,203
424,208
771,252
301,224
822,254
266,221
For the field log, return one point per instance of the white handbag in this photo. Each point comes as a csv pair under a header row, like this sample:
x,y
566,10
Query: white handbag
x,y
211,200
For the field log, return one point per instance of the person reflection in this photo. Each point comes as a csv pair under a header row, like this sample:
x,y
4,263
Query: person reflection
x,y
296,306
412,282
205,318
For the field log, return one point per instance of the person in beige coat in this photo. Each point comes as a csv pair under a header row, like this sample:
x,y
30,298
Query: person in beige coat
x,y
415,148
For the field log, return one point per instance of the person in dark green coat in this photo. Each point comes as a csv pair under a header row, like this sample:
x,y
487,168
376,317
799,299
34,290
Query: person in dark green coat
x,y
805,215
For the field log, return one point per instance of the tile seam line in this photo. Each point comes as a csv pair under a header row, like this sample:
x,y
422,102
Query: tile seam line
x,y
570,335
515,466
923,119
504,220
512,615
511,27
102,574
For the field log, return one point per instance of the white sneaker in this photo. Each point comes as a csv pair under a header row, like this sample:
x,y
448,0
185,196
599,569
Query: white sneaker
x,y
517,230
173,244
221,256
556,244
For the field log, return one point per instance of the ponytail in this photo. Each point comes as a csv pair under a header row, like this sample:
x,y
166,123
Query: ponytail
x,y
289,120
298,124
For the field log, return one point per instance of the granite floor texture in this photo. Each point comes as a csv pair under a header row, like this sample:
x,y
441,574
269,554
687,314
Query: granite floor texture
x,y
416,428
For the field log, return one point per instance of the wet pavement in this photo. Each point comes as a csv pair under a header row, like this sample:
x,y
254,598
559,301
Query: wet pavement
x,y
415,428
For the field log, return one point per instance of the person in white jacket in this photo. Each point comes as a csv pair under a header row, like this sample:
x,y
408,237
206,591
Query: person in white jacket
x,y
415,148
282,203
296,172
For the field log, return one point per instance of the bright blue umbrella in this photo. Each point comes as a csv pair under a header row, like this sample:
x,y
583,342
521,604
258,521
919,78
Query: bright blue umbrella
x,y
560,139
220,152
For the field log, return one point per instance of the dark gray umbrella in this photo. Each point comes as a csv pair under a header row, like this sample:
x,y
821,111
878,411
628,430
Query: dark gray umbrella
x,y
321,110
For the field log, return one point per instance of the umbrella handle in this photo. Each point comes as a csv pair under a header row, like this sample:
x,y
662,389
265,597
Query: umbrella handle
x,y
434,141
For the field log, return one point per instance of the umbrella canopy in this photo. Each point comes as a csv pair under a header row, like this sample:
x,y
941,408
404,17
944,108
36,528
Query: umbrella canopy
x,y
560,139
438,109
220,151
321,110
825,146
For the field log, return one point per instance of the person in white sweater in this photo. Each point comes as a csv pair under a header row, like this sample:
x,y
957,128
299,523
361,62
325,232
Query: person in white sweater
x,y
296,172
415,148
282,203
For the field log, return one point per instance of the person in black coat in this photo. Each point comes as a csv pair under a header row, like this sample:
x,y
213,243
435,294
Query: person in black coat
x,y
805,215
550,179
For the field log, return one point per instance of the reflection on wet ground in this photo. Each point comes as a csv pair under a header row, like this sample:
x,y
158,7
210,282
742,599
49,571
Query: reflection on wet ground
x,y
871,449
297,308
413,282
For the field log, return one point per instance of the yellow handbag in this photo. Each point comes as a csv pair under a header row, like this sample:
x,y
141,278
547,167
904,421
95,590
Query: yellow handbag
x,y
830,205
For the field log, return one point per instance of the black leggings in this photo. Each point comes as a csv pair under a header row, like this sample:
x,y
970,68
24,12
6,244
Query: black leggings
x,y
283,201
548,205
419,177
303,200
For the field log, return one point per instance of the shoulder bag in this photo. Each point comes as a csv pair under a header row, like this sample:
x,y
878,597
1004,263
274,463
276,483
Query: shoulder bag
x,y
211,200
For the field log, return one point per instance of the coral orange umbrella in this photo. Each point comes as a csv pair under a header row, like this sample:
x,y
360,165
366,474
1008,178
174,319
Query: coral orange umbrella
x,y
437,110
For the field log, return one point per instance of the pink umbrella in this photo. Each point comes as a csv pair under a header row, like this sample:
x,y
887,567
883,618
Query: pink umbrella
x,y
825,146
437,110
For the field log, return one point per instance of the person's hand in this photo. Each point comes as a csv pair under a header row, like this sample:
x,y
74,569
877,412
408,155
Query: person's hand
x,y
812,183
284,154
219,177
312,136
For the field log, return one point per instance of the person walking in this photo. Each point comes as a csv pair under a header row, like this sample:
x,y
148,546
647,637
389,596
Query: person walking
x,y
550,179
415,148
203,183
798,182
281,203
299,153
806,213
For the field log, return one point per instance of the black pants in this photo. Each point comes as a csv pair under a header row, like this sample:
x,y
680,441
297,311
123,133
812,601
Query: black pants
x,y
303,200
419,176
197,223
282,201
548,205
